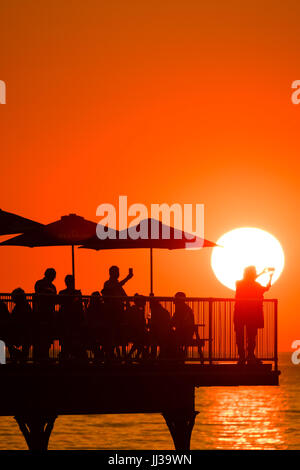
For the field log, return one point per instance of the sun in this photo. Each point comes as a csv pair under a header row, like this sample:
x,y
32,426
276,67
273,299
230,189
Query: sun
x,y
243,247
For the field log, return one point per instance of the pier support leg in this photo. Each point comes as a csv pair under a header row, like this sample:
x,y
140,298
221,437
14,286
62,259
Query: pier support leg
x,y
36,430
181,426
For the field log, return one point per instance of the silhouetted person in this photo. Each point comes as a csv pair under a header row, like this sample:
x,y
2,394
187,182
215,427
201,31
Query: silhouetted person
x,y
97,327
248,312
44,314
160,330
4,313
4,322
184,323
21,326
113,287
115,307
137,326
94,312
71,320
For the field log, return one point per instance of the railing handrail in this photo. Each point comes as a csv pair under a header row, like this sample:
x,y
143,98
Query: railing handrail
x,y
214,319
147,297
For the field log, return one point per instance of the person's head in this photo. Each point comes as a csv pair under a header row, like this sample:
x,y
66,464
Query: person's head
x,y
69,281
114,272
250,273
179,298
50,274
18,295
95,299
139,300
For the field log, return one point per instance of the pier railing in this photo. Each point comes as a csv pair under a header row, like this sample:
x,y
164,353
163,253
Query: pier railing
x,y
213,341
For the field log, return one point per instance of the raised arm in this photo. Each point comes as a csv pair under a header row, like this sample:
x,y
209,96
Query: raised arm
x,y
129,276
269,283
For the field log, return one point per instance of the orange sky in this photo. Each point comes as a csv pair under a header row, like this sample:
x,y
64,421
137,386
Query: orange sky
x,y
161,101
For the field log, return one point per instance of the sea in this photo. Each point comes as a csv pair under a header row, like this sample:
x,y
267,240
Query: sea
x,y
229,418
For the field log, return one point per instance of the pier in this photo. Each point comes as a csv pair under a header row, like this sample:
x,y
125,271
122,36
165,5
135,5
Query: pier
x,y
36,393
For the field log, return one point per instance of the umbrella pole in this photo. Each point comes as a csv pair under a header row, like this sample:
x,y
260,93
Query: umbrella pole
x,y
73,264
151,271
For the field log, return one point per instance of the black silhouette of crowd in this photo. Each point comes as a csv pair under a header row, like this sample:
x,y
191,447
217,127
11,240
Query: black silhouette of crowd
x,y
107,326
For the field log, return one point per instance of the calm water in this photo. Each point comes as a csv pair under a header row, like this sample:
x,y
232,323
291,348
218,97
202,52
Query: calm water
x,y
229,418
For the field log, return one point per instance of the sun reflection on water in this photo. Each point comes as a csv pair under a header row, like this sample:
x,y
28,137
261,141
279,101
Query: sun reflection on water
x,y
241,418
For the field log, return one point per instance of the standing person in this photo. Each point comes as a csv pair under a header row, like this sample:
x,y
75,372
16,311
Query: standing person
x,y
115,307
21,325
71,320
44,314
248,312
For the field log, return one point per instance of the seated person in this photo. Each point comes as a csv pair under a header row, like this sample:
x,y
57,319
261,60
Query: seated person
x,y
137,331
4,322
94,311
160,330
97,328
70,320
183,322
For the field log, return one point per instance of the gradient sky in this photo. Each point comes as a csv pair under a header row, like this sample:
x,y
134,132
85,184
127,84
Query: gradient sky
x,y
163,101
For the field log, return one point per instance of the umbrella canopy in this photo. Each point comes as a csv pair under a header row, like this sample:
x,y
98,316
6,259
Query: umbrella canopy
x,y
12,223
70,230
149,233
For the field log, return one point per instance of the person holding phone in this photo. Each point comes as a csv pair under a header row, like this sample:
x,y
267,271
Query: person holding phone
x,y
248,312
115,307
113,287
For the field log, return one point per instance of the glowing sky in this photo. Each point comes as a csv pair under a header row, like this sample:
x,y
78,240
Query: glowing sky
x,y
167,101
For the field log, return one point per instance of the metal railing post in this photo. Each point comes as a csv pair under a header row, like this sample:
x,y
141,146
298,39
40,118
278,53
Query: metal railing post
x,y
210,329
276,335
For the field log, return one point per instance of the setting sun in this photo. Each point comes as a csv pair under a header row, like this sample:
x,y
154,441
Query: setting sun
x,y
243,247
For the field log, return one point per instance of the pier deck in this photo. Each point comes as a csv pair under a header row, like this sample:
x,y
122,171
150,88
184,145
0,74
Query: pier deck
x,y
134,388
